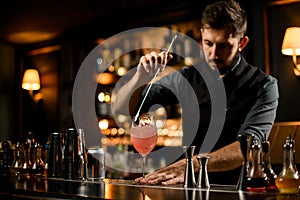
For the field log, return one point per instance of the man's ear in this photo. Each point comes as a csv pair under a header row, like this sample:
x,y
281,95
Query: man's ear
x,y
244,41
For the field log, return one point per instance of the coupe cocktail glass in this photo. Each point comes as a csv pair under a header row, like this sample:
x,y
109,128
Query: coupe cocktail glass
x,y
144,136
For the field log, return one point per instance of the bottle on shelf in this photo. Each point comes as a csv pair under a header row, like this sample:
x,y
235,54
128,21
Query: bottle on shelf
x,y
30,141
6,158
267,168
26,165
15,168
38,165
256,179
45,156
287,181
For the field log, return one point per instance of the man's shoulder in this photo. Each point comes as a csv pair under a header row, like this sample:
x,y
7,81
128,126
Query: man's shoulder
x,y
253,76
255,72
262,76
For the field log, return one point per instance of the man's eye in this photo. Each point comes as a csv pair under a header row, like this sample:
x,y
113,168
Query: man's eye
x,y
208,44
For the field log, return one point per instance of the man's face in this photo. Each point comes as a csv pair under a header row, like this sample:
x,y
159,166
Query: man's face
x,y
220,47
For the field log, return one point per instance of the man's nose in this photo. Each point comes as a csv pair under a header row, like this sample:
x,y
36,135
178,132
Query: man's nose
x,y
214,52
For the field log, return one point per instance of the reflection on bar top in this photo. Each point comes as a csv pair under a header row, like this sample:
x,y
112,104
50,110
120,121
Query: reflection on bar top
x,y
213,188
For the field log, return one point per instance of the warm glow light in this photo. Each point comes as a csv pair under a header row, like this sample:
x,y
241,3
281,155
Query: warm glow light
x,y
26,37
101,96
122,118
121,131
114,131
107,97
104,97
100,40
122,71
161,111
44,50
106,78
103,124
31,80
111,68
291,42
291,46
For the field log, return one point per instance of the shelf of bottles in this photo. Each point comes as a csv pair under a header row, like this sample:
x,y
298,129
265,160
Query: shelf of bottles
x,y
24,158
116,59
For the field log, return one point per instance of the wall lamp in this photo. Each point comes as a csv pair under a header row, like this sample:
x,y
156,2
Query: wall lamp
x,y
291,46
31,81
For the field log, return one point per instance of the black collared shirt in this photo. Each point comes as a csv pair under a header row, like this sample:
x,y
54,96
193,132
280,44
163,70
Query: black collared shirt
x,y
250,103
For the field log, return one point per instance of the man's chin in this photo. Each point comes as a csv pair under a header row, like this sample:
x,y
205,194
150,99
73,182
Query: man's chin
x,y
214,67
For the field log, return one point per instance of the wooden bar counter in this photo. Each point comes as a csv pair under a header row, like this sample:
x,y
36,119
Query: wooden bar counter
x,y
16,188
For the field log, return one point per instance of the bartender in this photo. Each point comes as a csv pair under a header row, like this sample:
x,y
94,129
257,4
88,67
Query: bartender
x,y
251,94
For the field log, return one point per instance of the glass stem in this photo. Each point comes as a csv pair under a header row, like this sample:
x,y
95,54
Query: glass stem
x,y
144,164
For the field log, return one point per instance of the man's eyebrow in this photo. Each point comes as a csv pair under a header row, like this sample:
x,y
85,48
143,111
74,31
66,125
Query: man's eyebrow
x,y
206,40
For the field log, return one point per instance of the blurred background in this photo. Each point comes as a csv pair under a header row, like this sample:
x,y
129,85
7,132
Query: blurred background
x,y
54,37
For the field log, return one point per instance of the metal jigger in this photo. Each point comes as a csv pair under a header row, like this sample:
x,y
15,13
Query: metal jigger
x,y
203,175
245,142
189,176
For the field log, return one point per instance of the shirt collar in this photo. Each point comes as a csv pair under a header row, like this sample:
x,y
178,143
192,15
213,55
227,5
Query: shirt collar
x,y
237,63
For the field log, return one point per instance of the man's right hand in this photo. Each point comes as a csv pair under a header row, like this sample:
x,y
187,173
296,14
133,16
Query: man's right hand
x,y
151,62
172,174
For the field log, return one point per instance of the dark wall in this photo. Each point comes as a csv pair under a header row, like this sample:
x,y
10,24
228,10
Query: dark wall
x,y
56,62
42,116
7,91
279,17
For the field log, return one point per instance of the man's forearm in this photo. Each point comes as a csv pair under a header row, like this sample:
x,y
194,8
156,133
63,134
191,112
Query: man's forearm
x,y
224,159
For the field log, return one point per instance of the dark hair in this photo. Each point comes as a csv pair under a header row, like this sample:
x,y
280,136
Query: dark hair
x,y
224,14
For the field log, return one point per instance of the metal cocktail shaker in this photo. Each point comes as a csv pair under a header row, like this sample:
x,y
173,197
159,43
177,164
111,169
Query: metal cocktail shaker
x,y
54,158
71,159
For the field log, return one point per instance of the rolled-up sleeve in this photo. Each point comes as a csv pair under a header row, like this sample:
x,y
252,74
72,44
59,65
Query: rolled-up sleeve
x,y
261,117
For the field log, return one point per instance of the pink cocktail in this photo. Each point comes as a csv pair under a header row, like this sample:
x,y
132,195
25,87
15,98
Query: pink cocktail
x,y
144,137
